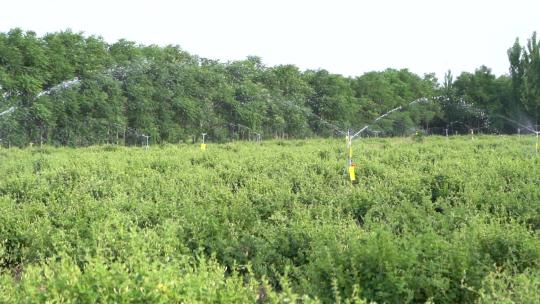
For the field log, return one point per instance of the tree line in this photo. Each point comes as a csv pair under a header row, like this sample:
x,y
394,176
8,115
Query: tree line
x,y
66,88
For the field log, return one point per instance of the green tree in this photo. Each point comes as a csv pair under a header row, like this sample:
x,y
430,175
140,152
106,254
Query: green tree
x,y
525,75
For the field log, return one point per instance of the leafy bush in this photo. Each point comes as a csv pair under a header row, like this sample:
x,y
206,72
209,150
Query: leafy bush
x,y
441,221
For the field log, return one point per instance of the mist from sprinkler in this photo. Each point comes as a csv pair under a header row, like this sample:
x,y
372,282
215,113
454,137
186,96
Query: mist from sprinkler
x,y
8,111
530,128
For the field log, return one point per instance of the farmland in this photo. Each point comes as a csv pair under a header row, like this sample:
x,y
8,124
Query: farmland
x,y
437,219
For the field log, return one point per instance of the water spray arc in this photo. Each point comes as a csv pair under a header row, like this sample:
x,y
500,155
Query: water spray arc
x,y
529,128
8,111
59,87
117,72
321,120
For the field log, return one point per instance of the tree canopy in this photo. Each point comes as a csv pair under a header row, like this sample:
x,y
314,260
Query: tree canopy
x,y
71,89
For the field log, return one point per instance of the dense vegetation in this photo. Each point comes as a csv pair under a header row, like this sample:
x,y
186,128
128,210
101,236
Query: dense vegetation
x,y
448,220
123,90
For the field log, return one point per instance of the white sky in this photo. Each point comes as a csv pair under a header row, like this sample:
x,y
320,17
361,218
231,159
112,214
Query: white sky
x,y
346,37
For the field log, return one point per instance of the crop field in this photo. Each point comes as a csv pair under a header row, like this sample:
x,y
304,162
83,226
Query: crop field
x,y
446,220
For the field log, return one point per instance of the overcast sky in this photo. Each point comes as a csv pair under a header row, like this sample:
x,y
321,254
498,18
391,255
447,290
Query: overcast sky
x,y
346,37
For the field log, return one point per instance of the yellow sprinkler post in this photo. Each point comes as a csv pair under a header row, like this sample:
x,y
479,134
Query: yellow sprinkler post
x,y
203,145
350,165
352,174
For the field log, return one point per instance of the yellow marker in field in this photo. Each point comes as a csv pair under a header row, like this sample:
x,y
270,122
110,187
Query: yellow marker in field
x,y
352,174
203,145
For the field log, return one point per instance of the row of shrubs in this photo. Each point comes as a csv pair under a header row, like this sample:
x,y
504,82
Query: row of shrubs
x,y
439,220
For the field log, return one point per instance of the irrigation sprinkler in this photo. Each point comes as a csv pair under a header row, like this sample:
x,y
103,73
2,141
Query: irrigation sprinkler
x,y
203,145
349,138
145,137
126,129
350,165
349,135
519,132
258,135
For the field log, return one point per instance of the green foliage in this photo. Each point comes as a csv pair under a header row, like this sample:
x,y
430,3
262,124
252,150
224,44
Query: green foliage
x,y
507,287
139,281
524,72
128,90
446,220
